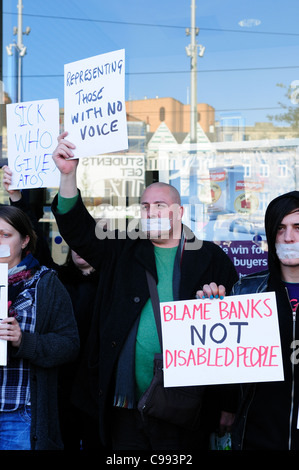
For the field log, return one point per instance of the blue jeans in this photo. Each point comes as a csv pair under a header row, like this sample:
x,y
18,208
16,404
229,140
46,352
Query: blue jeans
x,y
15,429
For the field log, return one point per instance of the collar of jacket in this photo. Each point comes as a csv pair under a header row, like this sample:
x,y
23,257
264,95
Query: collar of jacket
x,y
191,252
144,252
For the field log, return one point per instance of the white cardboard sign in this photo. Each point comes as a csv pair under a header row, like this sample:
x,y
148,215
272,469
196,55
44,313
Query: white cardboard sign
x,y
3,309
94,104
233,340
32,131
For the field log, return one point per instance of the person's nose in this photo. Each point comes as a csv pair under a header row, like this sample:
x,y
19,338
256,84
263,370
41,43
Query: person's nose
x,y
153,212
289,235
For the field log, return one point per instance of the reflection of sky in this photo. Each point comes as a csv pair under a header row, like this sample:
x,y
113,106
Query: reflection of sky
x,y
239,71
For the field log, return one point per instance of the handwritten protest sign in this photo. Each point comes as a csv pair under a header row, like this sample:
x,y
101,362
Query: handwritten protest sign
x,y
233,340
94,104
3,309
32,131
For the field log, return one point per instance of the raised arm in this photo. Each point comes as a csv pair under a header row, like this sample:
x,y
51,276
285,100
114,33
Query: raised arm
x,y
67,166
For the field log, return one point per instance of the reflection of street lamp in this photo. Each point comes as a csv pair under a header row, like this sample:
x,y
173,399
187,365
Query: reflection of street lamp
x,y
191,51
20,50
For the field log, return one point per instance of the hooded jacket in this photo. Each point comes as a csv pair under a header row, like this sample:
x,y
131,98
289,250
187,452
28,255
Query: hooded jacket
x,y
267,414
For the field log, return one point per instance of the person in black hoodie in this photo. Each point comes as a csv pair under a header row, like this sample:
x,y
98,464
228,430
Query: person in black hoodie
x,y
267,418
81,281
79,431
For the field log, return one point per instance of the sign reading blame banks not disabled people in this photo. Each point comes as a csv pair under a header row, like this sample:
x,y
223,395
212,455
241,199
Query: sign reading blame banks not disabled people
x,y
94,104
233,340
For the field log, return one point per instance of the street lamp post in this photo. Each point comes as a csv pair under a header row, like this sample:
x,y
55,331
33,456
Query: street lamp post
x,y
191,51
20,50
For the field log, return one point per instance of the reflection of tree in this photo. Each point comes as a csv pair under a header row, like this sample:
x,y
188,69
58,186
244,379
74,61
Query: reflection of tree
x,y
85,184
291,111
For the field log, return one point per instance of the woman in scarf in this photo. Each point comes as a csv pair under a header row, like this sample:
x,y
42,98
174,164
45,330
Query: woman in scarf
x,y
41,334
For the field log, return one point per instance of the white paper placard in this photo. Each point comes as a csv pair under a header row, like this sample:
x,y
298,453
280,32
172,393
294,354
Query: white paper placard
x,y
3,309
94,104
233,340
32,131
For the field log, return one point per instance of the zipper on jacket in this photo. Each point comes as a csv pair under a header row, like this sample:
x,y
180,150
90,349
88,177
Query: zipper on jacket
x,y
293,378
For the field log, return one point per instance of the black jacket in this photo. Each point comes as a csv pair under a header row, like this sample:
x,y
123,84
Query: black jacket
x,y
267,414
123,292
54,342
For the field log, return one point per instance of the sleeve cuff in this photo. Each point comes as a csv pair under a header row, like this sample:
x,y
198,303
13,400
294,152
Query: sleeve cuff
x,y
66,204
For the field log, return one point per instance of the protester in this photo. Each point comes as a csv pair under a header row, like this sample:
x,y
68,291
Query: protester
x,y
124,340
267,418
42,335
79,431
16,198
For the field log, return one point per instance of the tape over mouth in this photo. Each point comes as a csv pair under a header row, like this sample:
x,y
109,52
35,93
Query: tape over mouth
x,y
287,250
155,224
4,251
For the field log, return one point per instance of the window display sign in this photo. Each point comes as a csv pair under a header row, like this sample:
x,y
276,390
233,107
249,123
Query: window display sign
x,y
248,257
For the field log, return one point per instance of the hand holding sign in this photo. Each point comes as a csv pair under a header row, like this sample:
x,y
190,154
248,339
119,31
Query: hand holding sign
x,y
211,290
14,194
63,155
10,331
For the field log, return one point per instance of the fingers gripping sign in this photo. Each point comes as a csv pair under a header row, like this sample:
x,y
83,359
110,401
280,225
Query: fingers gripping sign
x,y
63,155
67,165
10,331
211,291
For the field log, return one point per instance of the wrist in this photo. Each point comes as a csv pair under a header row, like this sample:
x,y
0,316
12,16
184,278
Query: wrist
x,y
68,185
15,196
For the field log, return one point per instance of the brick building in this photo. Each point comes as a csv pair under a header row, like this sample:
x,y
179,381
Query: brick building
x,y
175,114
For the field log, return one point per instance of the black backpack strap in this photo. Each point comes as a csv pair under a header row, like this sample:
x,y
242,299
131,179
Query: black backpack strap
x,y
155,303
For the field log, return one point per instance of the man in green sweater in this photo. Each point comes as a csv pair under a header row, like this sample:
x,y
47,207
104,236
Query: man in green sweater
x,y
124,339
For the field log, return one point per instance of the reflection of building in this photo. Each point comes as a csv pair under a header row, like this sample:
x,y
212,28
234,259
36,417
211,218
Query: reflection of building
x,y
225,185
233,129
175,114
230,127
225,181
267,130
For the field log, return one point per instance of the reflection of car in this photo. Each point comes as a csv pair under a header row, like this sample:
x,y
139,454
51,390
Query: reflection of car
x,y
233,227
246,226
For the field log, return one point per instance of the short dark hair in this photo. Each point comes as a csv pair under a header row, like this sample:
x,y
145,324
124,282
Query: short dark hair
x,y
20,222
276,211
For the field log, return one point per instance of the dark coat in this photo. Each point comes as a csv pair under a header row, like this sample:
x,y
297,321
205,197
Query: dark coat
x,y
266,408
123,291
267,415
54,342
